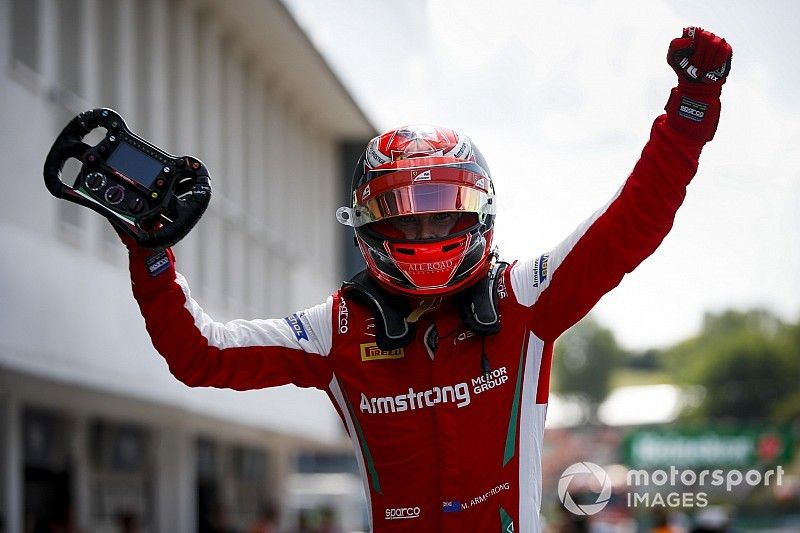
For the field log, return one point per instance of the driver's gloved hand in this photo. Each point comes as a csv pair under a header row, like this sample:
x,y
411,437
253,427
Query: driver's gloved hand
x,y
151,269
702,62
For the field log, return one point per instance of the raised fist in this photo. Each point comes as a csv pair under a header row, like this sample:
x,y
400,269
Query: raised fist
x,y
701,60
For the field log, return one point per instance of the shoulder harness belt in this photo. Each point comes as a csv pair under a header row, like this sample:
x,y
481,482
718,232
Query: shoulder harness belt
x,y
477,305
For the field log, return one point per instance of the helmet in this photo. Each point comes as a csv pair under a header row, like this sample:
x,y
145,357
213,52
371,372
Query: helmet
x,y
421,170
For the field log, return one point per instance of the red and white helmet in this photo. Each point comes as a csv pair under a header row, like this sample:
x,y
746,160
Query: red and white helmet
x,y
417,170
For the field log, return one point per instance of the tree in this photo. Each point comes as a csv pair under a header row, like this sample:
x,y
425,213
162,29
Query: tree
x,y
681,359
745,376
585,358
748,364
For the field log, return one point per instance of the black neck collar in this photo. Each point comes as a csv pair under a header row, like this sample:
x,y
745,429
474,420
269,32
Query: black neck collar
x,y
477,306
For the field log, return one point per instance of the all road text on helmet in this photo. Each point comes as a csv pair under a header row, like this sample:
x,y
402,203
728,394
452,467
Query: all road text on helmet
x,y
423,210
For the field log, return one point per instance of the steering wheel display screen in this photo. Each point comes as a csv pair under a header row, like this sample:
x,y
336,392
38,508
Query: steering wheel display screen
x,y
135,164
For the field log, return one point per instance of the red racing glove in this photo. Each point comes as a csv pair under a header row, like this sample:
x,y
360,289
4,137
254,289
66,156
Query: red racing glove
x,y
702,62
152,261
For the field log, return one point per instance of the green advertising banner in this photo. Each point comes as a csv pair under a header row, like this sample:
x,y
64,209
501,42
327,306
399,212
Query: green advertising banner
x,y
709,447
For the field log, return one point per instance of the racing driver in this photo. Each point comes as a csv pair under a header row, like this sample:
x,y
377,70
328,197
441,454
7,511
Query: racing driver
x,y
437,356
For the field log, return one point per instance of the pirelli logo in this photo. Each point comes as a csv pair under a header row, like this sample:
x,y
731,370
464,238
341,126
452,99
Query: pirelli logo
x,y
371,352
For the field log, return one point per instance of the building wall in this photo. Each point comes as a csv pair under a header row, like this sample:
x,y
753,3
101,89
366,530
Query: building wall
x,y
234,83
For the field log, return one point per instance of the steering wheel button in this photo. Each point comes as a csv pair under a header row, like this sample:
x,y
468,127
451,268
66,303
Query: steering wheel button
x,y
114,195
136,205
95,180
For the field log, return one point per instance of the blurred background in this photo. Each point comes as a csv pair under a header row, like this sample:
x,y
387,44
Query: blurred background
x,y
693,362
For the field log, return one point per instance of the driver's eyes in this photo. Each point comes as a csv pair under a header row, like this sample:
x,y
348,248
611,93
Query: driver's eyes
x,y
411,221
443,217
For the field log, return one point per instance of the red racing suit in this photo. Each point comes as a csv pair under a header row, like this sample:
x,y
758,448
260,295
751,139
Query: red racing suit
x,y
441,445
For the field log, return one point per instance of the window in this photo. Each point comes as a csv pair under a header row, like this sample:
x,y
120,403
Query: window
x,y
120,476
249,483
69,53
47,481
108,21
25,22
70,215
144,53
326,463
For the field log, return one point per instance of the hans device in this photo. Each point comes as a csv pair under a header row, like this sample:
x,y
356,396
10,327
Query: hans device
x,y
153,196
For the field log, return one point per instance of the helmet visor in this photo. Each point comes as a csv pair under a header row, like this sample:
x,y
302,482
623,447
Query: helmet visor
x,y
422,198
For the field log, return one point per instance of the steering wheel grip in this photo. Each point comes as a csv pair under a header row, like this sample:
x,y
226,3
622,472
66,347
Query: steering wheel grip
x,y
67,144
191,207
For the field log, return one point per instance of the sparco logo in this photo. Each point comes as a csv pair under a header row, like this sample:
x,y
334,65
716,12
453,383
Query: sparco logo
x,y
402,513
695,112
692,109
344,315
157,263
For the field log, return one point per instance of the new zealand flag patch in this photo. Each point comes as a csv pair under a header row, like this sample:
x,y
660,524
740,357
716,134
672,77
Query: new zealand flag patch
x,y
157,264
451,507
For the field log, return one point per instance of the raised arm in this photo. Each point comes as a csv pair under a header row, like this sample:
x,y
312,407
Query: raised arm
x,y
241,354
562,286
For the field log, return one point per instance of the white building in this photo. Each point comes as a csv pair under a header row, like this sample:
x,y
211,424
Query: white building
x,y
91,421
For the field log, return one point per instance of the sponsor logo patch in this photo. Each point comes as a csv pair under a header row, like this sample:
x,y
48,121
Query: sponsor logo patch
x,y
692,109
501,288
344,315
297,327
436,266
371,352
423,176
402,513
540,270
464,335
459,394
157,263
